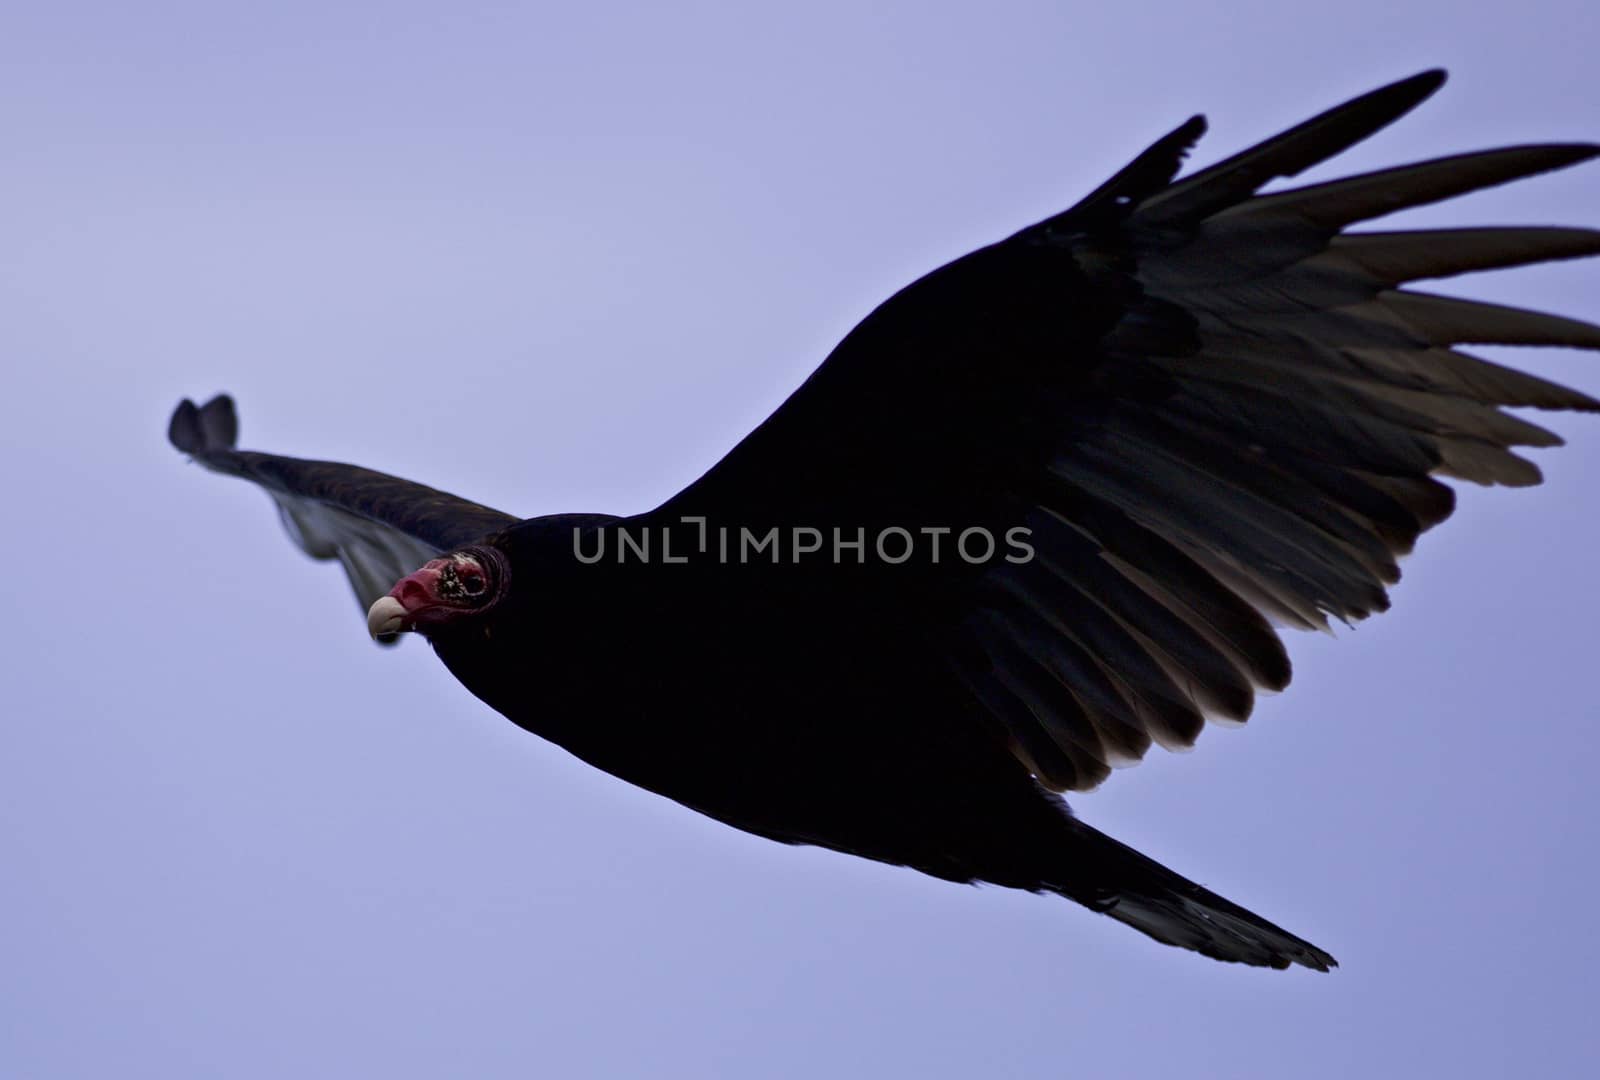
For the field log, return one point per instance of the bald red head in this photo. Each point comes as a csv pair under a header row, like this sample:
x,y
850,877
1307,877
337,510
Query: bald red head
x,y
439,593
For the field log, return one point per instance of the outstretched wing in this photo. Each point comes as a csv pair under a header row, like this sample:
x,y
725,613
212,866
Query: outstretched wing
x,y
377,526
1215,410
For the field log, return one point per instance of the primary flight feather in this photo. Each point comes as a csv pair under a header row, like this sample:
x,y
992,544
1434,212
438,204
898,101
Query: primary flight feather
x,y
1039,510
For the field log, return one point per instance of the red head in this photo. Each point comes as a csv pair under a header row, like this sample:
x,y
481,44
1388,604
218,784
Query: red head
x,y
445,592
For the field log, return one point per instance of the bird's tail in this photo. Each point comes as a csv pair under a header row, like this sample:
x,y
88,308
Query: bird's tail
x,y
1139,891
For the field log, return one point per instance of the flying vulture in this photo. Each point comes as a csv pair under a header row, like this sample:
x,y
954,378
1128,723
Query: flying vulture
x,y
1044,507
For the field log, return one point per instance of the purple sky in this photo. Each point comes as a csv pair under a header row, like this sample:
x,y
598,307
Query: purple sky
x,y
558,260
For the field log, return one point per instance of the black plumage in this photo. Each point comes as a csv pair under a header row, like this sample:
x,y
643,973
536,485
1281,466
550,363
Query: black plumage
x,y
1205,410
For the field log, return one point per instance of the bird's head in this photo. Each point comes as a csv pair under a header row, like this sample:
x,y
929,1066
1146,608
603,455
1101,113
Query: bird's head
x,y
453,592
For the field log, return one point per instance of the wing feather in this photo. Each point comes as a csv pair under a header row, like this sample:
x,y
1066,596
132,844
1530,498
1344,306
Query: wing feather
x,y
1388,258
1338,203
1214,409
1289,153
377,527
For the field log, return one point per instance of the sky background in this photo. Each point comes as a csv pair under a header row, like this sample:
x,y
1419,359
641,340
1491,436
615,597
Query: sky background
x,y
559,258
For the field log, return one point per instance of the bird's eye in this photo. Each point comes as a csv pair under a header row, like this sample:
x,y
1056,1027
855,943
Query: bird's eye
x,y
473,584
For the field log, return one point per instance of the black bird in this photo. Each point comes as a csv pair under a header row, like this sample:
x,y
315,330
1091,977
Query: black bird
x,y
1040,509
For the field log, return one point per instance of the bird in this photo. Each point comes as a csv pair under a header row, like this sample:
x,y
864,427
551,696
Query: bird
x,y
1047,506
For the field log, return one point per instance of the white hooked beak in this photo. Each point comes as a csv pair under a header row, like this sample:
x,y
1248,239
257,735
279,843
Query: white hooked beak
x,y
386,617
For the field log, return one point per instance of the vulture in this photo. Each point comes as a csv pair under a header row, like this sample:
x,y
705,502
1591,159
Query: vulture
x,y
1043,508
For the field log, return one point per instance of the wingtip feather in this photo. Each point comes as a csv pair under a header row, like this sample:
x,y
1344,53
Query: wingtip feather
x,y
1148,173
183,430
196,429
1291,152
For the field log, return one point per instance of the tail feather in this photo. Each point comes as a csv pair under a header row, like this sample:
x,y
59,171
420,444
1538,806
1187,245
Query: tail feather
x,y
1140,892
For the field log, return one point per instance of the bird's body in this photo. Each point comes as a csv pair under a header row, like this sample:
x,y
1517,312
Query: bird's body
x,y
838,701
1038,512
840,727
